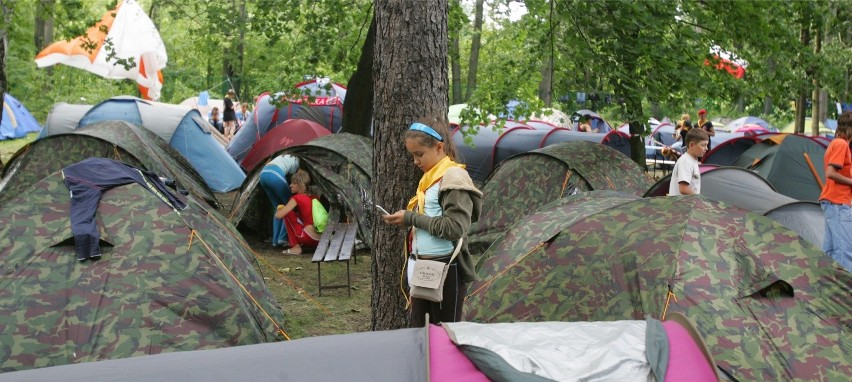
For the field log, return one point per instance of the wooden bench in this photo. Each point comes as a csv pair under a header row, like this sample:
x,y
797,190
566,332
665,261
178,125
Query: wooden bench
x,y
337,243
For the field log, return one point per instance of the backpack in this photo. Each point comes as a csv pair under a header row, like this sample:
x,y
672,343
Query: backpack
x,y
320,215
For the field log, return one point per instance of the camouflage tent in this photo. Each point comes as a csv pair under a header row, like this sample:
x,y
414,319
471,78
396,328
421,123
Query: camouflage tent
x,y
118,140
530,180
750,191
340,166
770,305
792,163
168,281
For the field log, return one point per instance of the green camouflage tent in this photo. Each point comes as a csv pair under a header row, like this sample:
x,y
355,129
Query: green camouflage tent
x,y
527,181
117,140
771,306
783,160
168,281
340,166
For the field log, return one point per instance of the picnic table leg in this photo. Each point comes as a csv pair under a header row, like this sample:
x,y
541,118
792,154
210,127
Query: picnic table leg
x,y
348,281
319,280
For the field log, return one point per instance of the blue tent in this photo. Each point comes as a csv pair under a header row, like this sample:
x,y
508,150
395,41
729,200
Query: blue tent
x,y
183,128
17,120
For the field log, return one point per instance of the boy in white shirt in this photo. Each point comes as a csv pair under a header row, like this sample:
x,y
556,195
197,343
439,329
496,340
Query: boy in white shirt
x,y
686,177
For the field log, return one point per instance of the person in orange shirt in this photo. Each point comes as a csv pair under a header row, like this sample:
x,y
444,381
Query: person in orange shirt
x,y
836,196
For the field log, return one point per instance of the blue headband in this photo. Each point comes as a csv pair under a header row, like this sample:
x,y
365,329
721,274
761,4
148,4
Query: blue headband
x,y
417,126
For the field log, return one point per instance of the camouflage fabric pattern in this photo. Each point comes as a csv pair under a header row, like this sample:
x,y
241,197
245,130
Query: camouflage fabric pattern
x,y
770,306
526,182
157,288
116,140
336,164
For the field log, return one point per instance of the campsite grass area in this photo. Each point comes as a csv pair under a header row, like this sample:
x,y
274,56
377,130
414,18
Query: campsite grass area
x,y
293,281
9,147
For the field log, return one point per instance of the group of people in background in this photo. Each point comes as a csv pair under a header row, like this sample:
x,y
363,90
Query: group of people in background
x,y
231,118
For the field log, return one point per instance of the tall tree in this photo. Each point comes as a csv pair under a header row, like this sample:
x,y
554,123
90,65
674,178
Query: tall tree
x,y
358,105
476,42
410,77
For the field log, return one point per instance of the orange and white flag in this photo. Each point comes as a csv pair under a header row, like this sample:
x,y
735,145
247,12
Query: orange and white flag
x,y
130,33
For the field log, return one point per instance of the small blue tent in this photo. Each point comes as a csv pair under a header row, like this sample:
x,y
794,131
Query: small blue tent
x,y
183,128
17,120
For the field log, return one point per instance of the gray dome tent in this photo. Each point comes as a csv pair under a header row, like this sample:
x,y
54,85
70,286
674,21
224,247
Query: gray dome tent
x,y
750,191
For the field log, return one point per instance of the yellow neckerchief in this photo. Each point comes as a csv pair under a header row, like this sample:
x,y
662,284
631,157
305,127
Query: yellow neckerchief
x,y
701,122
430,178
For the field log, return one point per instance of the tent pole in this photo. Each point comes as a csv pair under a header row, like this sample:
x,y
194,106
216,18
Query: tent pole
x,y
813,170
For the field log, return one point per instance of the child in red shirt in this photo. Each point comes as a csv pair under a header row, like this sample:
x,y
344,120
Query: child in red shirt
x,y
298,215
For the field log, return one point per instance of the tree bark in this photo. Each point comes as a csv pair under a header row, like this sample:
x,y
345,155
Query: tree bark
x,y
358,105
475,44
410,74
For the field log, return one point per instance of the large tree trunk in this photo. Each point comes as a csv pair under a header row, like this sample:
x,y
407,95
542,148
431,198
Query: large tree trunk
x,y
358,105
476,42
410,74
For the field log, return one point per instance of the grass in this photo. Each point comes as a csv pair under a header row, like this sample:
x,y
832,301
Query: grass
x,y
293,281
9,147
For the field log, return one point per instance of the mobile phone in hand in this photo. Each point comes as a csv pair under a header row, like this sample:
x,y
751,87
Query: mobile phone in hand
x,y
382,210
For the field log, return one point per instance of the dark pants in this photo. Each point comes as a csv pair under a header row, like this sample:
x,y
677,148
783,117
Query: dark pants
x,y
449,310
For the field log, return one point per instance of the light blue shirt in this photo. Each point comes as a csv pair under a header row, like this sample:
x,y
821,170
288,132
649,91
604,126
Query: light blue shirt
x,y
426,244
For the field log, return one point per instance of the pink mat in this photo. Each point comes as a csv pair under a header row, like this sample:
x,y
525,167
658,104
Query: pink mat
x,y
686,361
447,362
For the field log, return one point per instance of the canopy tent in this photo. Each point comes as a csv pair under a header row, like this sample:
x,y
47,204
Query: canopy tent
x,y
183,128
324,110
595,120
292,132
602,256
17,120
823,129
527,181
340,166
167,281
742,121
793,164
750,191
490,148
118,140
